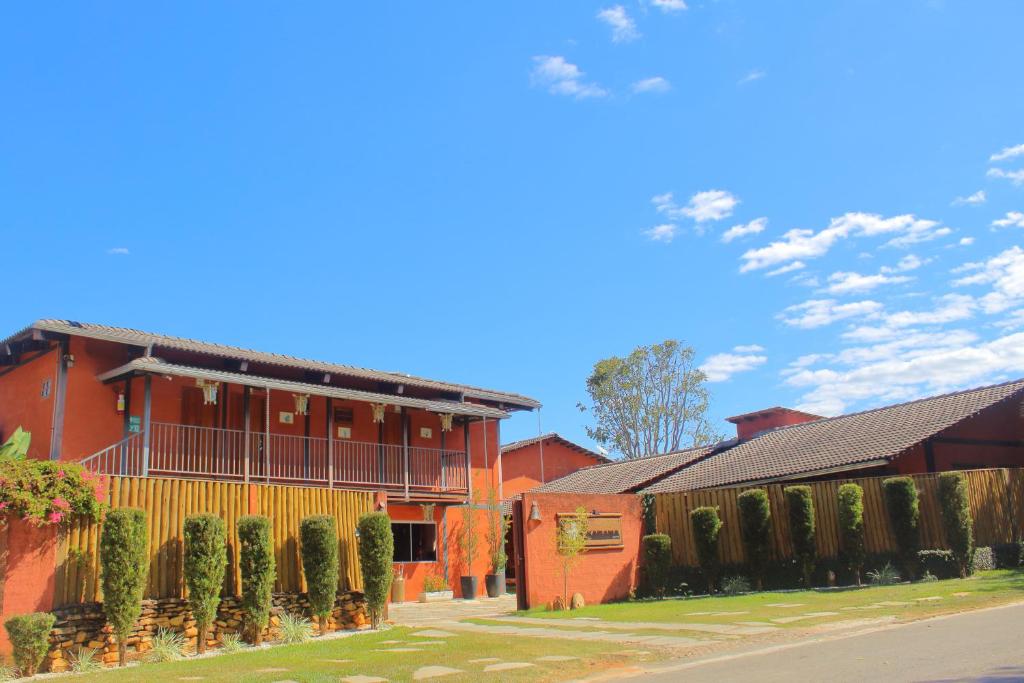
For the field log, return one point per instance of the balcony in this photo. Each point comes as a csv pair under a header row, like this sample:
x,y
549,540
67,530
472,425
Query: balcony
x,y
189,452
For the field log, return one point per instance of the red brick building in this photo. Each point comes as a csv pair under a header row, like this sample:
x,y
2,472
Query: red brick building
x,y
529,463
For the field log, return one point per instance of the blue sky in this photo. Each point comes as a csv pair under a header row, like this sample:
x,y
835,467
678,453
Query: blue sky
x,y
825,199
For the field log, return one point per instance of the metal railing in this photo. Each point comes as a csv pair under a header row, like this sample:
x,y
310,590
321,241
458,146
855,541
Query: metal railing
x,y
235,455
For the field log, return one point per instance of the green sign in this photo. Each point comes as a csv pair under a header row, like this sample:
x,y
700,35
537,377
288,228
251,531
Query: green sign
x,y
134,424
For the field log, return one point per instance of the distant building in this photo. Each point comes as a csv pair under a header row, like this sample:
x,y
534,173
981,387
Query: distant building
x,y
529,463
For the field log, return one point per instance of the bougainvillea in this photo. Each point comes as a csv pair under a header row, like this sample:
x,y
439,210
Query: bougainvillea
x,y
46,492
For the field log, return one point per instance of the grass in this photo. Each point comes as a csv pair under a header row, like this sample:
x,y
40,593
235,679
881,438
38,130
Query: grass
x,y
322,660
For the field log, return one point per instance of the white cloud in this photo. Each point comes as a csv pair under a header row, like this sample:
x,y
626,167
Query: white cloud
x,y
849,283
1005,274
950,308
1016,177
661,233
789,268
754,75
722,366
563,78
669,5
118,251
820,312
710,205
1008,153
799,244
1013,219
743,229
966,241
623,26
653,84
908,262
978,197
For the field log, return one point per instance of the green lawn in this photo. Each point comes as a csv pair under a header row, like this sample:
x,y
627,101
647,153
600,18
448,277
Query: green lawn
x,y
317,661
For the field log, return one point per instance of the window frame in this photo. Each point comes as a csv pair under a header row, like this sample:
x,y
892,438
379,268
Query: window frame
x,y
411,545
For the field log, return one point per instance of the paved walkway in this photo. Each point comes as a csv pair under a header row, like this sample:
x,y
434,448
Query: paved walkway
x,y
431,613
569,634
738,629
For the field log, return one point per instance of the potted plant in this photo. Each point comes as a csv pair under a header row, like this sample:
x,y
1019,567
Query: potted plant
x,y
497,527
435,589
468,540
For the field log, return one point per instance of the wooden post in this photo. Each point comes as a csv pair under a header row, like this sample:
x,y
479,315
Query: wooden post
x,y
405,449
469,462
330,442
501,477
444,464
266,436
147,415
247,435
305,445
60,393
380,452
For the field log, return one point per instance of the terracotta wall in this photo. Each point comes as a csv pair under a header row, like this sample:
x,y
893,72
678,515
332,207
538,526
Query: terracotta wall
x,y
27,558
22,403
601,575
522,471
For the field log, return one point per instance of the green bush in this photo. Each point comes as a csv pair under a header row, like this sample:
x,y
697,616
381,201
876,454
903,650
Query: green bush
x,y
655,564
901,504
123,570
376,552
649,507
706,526
1007,556
884,576
735,585
256,563
318,536
206,558
30,639
756,530
48,491
800,503
956,519
941,564
984,559
851,528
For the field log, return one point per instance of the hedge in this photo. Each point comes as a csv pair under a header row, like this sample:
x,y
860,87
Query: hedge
x,y
1007,555
755,529
123,569
318,536
655,565
706,525
901,504
800,502
30,639
206,559
956,519
851,528
942,564
257,566
376,552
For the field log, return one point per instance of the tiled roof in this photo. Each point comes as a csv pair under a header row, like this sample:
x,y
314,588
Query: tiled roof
x,y
516,445
139,338
838,443
623,476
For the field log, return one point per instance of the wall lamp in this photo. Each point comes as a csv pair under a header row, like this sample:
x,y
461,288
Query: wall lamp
x,y
534,512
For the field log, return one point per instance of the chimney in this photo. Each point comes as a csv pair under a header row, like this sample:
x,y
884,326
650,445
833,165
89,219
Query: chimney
x,y
750,425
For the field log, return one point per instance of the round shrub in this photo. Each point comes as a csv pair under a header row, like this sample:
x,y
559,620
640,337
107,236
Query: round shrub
x,y
756,529
319,538
376,552
655,565
123,570
956,519
706,526
901,504
206,558
30,639
851,528
800,502
256,563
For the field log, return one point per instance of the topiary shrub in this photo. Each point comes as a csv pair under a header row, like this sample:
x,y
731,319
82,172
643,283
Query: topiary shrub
x,y
851,528
123,570
1006,556
956,519
649,506
30,639
318,536
942,564
376,552
901,504
256,564
984,559
655,565
800,502
206,558
756,529
706,526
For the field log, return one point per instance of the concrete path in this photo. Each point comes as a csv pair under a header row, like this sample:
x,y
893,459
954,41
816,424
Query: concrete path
x,y
570,634
982,646
718,629
428,614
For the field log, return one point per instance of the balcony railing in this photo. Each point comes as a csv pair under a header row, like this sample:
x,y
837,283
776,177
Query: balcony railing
x,y
235,455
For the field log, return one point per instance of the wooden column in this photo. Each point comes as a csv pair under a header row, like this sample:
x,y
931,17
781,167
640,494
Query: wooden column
x,y
147,415
330,441
247,435
305,443
444,461
266,436
380,452
469,461
501,477
127,408
59,396
405,450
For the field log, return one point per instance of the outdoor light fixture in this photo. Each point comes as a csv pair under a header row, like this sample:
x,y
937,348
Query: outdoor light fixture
x,y
301,403
534,512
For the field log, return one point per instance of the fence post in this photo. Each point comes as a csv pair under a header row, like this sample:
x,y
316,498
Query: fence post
x,y
330,442
405,449
246,436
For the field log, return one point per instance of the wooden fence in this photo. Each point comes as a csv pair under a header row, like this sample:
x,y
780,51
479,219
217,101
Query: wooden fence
x,y
996,499
168,501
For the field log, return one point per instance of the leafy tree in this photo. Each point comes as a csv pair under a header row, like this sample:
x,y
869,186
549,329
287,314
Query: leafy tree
x,y
30,639
206,558
257,566
851,528
123,570
903,507
318,536
376,552
655,565
706,526
756,529
468,538
956,519
654,400
570,542
800,502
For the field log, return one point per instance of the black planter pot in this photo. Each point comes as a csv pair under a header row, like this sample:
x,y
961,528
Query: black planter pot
x,y
495,584
469,586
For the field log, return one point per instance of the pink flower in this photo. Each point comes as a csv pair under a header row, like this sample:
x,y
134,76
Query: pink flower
x,y
60,474
55,517
60,503
3,505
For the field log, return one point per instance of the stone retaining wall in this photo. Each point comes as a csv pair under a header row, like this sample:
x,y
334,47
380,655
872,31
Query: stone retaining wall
x,y
85,625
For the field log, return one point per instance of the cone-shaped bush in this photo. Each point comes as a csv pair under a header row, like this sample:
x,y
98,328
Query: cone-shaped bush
x,y
756,529
30,639
706,525
319,538
123,570
656,561
800,502
956,519
376,553
851,528
257,566
206,558
901,504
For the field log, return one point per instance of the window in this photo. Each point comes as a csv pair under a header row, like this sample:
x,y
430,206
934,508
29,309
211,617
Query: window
x,y
415,541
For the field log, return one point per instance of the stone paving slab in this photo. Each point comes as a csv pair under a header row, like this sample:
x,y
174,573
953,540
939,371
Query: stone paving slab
x,y
433,633
557,658
718,629
929,598
821,614
484,660
359,678
507,666
570,634
426,672
790,620
784,604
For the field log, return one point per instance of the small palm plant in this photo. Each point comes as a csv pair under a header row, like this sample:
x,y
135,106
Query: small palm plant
x,y
84,661
231,642
167,646
295,629
886,576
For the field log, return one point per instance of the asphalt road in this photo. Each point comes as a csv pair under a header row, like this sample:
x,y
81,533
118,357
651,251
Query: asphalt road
x,y
986,645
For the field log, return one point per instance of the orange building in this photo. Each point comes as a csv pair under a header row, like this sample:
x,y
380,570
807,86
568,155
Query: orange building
x,y
529,463
125,402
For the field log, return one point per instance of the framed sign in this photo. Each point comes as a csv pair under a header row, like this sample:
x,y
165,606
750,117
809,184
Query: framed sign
x,y
604,530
